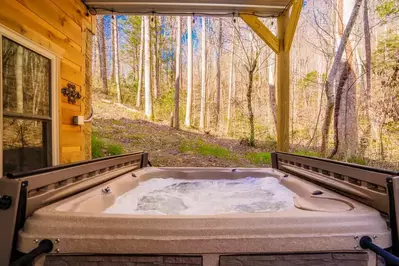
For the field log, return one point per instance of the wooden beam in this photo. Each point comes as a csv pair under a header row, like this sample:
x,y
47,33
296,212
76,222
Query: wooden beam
x,y
262,31
292,24
283,87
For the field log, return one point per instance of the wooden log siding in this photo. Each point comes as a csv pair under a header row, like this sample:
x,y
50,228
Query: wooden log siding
x,y
59,26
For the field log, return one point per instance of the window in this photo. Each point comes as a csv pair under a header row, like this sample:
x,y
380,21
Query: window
x,y
28,117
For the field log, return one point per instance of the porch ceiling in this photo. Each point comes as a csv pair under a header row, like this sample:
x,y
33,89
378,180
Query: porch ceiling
x,y
266,8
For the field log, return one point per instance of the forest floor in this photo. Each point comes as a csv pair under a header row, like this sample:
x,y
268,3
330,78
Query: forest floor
x,y
117,129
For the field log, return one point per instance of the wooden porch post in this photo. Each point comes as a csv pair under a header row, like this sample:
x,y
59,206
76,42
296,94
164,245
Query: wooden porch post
x,y
283,86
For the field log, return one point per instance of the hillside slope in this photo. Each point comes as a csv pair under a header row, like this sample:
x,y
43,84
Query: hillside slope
x,y
126,129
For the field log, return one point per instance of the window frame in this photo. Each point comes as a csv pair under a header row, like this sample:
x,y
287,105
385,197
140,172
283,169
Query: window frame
x,y
54,77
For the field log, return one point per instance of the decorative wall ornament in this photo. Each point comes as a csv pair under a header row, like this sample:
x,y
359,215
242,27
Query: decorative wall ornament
x,y
70,92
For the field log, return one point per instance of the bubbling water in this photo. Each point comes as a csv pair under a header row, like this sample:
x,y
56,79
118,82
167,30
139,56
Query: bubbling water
x,y
170,196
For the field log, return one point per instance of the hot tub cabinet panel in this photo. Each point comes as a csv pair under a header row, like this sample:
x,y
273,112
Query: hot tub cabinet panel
x,y
311,259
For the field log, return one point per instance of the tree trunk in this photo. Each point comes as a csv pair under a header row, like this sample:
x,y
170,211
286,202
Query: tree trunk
x,y
116,57
135,60
272,88
218,74
189,72
338,97
293,94
345,116
36,94
345,126
381,138
140,82
102,53
249,106
177,78
147,69
158,63
172,44
329,85
19,71
156,59
203,74
231,84
209,106
365,139
112,72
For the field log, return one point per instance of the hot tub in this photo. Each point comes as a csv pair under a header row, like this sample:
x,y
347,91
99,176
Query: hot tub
x,y
319,227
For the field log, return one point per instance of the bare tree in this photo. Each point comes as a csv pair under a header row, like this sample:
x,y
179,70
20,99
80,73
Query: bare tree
x,y
140,82
177,79
218,74
203,74
116,57
231,83
155,57
272,88
19,79
252,50
344,138
112,58
251,67
345,114
189,71
329,85
251,70
365,139
102,54
147,69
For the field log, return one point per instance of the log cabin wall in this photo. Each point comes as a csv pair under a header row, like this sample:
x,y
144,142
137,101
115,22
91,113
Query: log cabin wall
x,y
64,27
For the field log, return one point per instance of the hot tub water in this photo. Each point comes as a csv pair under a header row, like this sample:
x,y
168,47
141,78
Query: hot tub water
x,y
163,196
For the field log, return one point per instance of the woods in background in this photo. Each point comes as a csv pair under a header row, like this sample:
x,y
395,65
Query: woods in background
x,y
216,75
